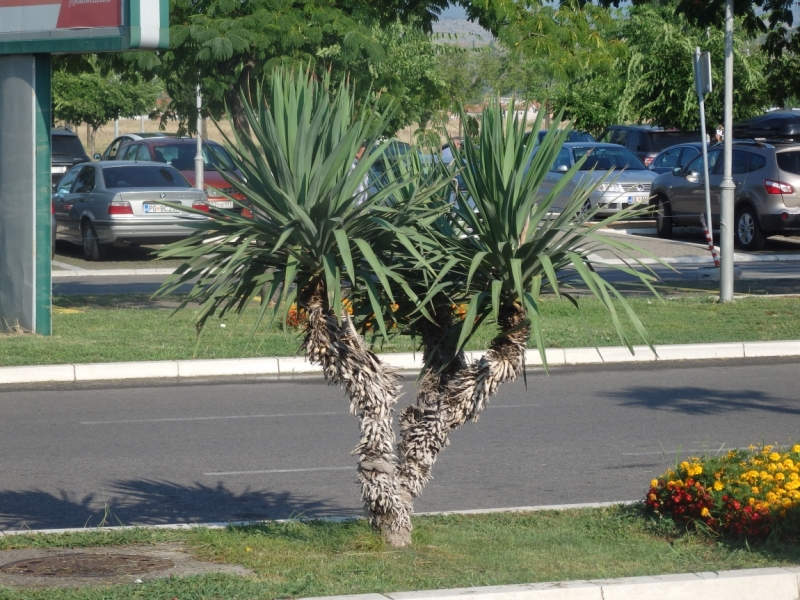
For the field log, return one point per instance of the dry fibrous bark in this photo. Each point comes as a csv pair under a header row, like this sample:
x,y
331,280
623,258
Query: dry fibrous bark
x,y
457,394
373,390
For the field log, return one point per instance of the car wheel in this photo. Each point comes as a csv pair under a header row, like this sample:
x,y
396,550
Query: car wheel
x,y
749,235
92,248
663,218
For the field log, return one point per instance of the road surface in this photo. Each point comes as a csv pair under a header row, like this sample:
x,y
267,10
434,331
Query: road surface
x,y
218,450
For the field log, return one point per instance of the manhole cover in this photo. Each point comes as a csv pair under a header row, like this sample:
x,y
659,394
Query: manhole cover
x,y
86,565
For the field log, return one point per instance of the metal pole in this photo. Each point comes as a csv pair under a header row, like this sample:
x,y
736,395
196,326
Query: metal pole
x,y
727,187
116,127
702,101
198,158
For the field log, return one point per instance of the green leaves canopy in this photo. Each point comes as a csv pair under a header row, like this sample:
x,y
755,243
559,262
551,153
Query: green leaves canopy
x,y
314,223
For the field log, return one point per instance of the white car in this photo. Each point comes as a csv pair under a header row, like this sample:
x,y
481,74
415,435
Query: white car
x,y
628,184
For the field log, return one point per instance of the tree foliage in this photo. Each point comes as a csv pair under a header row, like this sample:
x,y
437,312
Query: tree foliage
x,y
89,96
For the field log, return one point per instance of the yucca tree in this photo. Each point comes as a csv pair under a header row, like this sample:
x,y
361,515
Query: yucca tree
x,y
313,227
497,248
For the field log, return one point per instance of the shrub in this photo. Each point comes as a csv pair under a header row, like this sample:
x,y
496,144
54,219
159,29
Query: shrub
x,y
746,493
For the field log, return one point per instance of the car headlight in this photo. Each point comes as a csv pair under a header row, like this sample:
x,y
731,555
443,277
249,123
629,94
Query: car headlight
x,y
609,187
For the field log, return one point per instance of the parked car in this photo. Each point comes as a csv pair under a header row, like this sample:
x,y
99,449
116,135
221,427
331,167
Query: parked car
x,y
121,202
629,183
646,141
766,198
66,152
180,154
675,156
110,152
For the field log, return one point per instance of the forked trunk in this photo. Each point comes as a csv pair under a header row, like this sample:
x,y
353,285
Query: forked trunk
x,y
373,390
457,394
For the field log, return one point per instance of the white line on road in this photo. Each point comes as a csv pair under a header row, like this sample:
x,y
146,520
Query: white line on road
x,y
350,468
682,451
315,414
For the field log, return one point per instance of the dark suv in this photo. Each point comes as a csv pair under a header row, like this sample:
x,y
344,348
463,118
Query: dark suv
x,y
66,152
647,141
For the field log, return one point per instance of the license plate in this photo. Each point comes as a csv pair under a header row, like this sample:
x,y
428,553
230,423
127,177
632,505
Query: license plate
x,y
636,199
159,208
58,169
221,203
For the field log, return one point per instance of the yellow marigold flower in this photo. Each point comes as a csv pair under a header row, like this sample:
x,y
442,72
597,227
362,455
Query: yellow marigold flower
x,y
788,463
754,490
704,512
654,483
780,476
794,477
652,496
774,457
796,448
684,466
763,475
786,503
794,495
718,486
771,497
751,501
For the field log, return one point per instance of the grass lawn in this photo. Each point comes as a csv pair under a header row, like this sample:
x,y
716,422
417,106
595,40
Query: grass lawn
x,y
317,558
130,328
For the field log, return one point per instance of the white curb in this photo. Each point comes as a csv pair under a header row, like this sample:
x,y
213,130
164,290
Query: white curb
x,y
296,365
746,584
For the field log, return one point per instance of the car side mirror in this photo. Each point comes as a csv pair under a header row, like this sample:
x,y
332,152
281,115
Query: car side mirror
x,y
677,171
97,156
562,168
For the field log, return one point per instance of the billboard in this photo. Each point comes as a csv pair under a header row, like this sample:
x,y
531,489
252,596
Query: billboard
x,y
66,26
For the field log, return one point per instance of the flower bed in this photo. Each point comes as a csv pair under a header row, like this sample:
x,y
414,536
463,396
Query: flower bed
x,y
746,493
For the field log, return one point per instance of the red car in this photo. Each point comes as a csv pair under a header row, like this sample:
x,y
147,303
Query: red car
x,y
180,154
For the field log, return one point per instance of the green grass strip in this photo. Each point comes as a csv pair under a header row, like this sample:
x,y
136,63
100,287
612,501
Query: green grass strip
x,y
124,328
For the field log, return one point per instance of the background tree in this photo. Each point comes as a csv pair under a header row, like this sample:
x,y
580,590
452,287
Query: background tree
x,y
94,98
660,80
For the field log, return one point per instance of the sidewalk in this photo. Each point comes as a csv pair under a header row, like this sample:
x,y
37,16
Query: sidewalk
x,y
746,584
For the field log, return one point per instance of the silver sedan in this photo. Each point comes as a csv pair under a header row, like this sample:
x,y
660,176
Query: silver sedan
x,y
627,185
121,202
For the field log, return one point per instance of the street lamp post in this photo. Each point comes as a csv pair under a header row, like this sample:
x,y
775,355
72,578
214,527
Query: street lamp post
x,y
727,187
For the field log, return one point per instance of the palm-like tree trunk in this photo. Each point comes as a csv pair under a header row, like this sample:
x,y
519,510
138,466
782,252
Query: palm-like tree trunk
x,y
373,389
449,397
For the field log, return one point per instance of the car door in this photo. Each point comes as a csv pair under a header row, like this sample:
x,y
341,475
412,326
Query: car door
x,y
79,198
688,197
113,149
62,206
560,166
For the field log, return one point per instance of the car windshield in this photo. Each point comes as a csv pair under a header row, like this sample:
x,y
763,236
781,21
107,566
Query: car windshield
x,y
67,145
574,136
661,140
604,158
789,161
143,176
181,156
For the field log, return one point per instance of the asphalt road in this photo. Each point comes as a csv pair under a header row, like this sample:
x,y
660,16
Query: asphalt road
x,y
220,450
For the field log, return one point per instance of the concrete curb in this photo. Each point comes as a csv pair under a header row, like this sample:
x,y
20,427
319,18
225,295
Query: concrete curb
x,y
746,584
286,366
340,519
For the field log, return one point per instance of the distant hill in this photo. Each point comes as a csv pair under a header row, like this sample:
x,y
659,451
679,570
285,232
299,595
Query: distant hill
x,y
461,32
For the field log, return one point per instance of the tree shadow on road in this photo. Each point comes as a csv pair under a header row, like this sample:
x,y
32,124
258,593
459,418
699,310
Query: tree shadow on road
x,y
693,400
153,502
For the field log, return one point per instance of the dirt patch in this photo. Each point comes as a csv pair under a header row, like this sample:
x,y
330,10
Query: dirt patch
x,y
67,567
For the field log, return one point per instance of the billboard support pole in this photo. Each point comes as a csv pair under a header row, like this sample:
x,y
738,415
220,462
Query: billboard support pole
x,y
25,214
